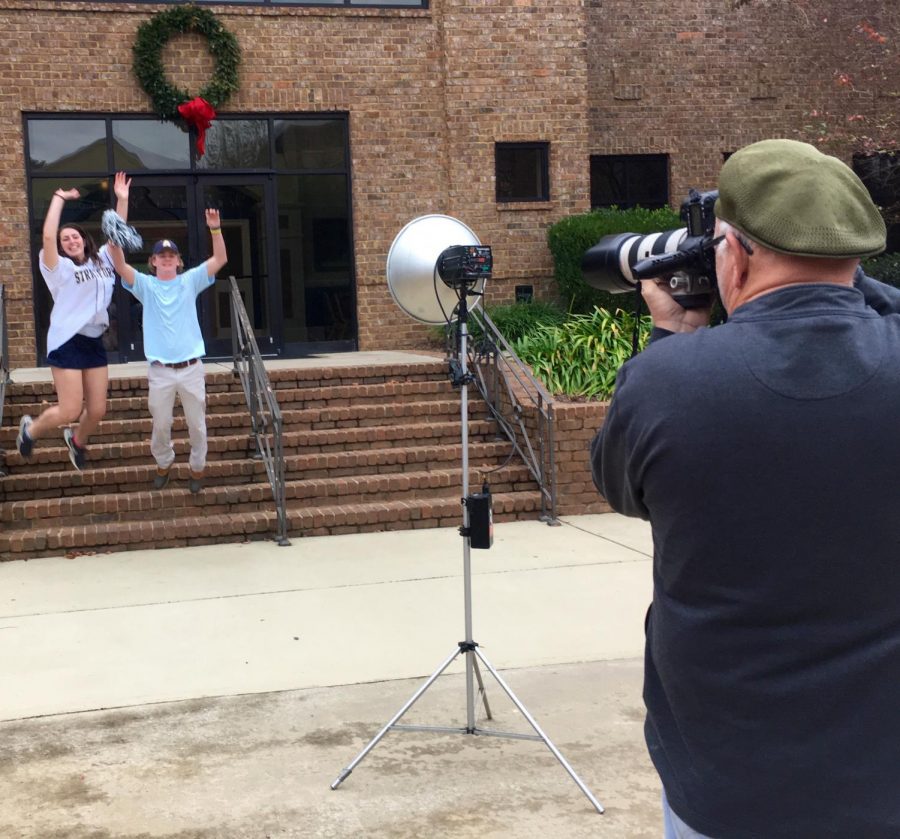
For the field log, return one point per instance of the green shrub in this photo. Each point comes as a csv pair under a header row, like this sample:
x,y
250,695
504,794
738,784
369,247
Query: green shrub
x,y
570,237
518,319
885,268
513,320
582,356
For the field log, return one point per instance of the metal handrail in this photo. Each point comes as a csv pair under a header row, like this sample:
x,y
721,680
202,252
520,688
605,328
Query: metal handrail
x,y
4,352
509,388
265,414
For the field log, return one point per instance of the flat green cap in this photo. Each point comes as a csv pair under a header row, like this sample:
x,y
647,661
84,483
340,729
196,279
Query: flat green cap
x,y
793,199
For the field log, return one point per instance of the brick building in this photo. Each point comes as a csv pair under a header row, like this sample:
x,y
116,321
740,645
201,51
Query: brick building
x,y
353,117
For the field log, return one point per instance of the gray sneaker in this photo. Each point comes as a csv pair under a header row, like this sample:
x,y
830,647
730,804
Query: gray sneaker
x,y
24,443
195,484
77,454
161,478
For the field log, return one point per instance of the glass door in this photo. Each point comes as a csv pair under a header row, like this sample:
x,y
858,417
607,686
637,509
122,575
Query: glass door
x,y
247,218
282,184
159,208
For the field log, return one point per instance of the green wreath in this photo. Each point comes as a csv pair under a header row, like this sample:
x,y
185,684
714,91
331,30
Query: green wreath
x,y
152,37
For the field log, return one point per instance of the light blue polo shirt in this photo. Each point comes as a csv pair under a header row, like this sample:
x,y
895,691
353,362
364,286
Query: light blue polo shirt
x,y
171,329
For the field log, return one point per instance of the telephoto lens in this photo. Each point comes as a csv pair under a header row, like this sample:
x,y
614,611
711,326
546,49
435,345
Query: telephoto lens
x,y
682,259
609,265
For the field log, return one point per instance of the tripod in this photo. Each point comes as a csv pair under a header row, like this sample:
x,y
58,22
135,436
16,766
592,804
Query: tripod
x,y
468,647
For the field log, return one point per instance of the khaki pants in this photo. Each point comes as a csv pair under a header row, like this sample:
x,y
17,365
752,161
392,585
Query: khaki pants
x,y
189,384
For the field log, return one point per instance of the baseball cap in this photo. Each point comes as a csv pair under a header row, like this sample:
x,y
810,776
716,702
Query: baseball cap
x,y
165,245
792,198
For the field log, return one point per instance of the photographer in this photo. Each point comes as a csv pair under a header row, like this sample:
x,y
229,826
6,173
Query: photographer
x,y
765,453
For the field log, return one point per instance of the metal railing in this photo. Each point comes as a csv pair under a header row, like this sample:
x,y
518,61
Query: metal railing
x,y
521,405
265,414
4,352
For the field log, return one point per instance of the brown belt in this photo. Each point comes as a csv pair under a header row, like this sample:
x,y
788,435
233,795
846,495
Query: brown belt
x,y
178,365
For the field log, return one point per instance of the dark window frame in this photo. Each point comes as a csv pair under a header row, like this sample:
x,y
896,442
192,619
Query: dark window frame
x,y
542,193
108,119
33,174
288,4
629,197
880,174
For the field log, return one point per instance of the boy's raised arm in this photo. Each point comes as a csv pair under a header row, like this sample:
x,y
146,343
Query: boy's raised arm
x,y
123,269
220,255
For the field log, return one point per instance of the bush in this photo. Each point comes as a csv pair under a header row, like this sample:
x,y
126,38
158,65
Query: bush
x,y
570,237
582,356
513,320
885,268
518,319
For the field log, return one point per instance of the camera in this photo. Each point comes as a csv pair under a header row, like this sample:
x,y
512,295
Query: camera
x,y
684,259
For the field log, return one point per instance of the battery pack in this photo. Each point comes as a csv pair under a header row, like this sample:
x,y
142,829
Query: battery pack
x,y
481,520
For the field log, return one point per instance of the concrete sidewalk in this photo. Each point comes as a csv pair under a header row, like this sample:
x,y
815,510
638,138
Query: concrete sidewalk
x,y
246,677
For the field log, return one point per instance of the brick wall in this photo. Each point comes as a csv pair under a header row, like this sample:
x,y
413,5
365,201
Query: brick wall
x,y
428,93
575,425
697,78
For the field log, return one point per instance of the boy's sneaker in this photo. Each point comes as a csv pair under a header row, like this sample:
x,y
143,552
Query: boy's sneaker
x,y
161,478
77,454
195,484
24,443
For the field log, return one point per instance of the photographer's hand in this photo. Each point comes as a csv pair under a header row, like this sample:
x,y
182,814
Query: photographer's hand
x,y
667,313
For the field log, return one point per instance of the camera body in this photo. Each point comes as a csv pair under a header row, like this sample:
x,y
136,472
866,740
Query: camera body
x,y
684,258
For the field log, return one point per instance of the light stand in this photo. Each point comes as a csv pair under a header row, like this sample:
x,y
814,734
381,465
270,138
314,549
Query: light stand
x,y
469,648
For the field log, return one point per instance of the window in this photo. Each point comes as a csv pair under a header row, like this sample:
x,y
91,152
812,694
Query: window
x,y
145,144
523,171
880,172
56,145
236,144
282,182
386,4
628,180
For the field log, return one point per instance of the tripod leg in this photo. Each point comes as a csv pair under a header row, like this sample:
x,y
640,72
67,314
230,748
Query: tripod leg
x,y
481,690
581,785
412,701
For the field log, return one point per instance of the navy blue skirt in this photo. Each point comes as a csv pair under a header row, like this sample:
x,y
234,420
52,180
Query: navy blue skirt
x,y
79,353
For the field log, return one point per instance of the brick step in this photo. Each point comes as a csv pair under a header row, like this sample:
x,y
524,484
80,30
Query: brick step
x,y
359,373
356,394
347,416
127,430
18,393
175,502
129,407
350,416
219,378
112,478
383,436
200,528
132,407
47,456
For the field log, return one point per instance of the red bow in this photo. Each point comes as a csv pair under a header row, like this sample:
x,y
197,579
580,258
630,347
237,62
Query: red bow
x,y
200,114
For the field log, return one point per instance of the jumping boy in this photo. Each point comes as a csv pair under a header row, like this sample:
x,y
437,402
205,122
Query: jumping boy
x,y
173,345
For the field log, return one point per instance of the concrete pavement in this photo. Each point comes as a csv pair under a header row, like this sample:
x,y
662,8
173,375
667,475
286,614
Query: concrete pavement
x,y
243,678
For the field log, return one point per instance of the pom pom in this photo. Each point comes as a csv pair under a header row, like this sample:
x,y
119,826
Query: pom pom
x,y
119,232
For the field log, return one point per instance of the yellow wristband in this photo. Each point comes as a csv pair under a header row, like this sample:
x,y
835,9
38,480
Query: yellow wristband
x,y
215,230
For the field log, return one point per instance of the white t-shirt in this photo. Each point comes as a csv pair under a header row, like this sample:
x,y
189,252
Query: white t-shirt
x,y
81,295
